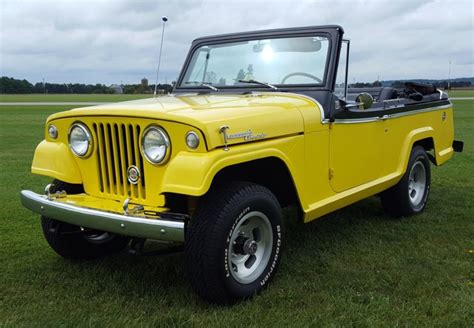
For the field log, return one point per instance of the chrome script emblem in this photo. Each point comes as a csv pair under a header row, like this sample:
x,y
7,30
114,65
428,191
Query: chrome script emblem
x,y
133,174
246,136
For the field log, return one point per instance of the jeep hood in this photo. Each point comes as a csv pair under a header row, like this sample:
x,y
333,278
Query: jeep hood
x,y
262,116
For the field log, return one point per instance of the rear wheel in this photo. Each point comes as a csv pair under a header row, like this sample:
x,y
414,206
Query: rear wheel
x,y
233,243
76,242
410,194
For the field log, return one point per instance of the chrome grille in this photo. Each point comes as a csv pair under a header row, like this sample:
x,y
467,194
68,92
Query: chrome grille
x,y
117,149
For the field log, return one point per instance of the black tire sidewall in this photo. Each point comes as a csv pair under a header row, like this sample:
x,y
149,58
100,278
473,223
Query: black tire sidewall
x,y
264,204
419,155
77,246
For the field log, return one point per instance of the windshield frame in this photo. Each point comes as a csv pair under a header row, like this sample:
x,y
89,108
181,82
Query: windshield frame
x,y
332,33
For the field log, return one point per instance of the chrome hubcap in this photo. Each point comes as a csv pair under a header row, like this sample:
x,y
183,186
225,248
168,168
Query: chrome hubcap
x,y
250,247
417,183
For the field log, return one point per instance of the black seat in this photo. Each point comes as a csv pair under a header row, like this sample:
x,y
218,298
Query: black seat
x,y
388,93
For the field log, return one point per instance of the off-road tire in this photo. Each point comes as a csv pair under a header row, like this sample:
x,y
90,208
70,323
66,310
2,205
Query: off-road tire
x,y
73,242
208,238
396,201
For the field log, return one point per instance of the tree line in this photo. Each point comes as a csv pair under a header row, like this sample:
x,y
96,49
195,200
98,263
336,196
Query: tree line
x,y
438,84
401,84
15,86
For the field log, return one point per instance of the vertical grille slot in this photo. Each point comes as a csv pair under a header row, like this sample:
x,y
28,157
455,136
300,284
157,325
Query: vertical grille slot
x,y
117,149
99,160
102,154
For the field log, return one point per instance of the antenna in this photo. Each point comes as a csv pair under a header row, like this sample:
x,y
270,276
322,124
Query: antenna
x,y
164,19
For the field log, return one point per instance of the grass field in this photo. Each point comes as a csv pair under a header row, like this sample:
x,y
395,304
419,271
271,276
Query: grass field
x,y
355,267
124,97
70,98
461,93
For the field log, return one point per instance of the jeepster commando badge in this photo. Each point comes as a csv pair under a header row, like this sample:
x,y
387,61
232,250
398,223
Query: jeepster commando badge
x,y
247,135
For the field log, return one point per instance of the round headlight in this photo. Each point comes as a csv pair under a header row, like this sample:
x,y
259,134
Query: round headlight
x,y
80,139
155,145
52,131
192,139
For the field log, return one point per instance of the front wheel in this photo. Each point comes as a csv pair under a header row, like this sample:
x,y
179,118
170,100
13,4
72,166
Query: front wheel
x,y
410,195
233,243
75,242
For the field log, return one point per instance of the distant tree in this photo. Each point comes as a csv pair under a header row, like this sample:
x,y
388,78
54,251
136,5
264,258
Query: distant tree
x,y
240,76
376,84
211,77
398,84
11,85
361,85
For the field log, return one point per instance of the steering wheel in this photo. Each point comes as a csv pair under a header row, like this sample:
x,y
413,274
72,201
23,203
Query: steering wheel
x,y
301,74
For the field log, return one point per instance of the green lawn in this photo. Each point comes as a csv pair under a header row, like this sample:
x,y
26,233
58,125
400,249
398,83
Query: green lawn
x,y
70,97
355,267
461,93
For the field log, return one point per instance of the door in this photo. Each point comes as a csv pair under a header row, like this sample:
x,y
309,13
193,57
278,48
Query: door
x,y
355,152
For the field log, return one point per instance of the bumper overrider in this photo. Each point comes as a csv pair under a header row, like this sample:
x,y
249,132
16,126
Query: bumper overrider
x,y
125,224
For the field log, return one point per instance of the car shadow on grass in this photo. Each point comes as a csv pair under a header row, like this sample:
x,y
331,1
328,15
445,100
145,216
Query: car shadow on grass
x,y
163,278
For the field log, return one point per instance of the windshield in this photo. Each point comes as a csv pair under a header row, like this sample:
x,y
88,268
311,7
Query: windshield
x,y
282,61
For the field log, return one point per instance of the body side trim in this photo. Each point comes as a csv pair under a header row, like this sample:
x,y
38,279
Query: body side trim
x,y
384,117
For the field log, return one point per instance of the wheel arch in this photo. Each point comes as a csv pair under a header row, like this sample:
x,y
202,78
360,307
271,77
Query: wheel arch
x,y
270,172
428,145
423,137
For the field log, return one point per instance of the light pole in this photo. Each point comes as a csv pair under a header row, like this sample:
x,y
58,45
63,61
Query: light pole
x,y
449,76
164,19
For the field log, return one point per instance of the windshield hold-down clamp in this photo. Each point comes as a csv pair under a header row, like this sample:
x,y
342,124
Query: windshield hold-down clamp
x,y
223,130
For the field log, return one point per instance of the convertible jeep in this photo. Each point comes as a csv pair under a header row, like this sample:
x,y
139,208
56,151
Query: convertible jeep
x,y
257,121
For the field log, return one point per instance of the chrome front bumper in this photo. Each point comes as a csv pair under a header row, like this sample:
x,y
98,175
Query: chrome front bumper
x,y
128,225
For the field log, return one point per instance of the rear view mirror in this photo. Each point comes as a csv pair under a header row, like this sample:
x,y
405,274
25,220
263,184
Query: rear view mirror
x,y
365,100
310,44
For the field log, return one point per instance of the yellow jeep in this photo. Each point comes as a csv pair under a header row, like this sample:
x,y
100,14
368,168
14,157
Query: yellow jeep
x,y
257,121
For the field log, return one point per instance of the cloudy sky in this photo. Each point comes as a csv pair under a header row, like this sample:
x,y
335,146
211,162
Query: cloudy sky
x,y
118,40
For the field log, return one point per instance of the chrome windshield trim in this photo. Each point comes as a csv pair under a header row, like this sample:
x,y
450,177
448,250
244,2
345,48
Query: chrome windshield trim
x,y
127,225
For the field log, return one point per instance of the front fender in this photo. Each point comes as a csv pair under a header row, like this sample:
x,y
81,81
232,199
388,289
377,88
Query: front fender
x,y
192,173
54,159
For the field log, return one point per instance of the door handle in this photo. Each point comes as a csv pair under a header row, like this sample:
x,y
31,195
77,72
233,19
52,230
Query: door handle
x,y
384,117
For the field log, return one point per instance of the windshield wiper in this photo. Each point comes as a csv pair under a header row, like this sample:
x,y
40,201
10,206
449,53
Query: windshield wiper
x,y
205,84
258,82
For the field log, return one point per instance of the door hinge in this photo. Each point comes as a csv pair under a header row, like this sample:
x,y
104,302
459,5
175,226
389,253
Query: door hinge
x,y
331,173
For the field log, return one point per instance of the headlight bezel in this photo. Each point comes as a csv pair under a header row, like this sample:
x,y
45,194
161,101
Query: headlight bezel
x,y
165,137
88,134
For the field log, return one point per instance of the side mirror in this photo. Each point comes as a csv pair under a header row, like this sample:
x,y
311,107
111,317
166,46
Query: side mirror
x,y
365,100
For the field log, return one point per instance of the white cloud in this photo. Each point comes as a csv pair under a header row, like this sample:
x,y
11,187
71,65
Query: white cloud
x,y
113,41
